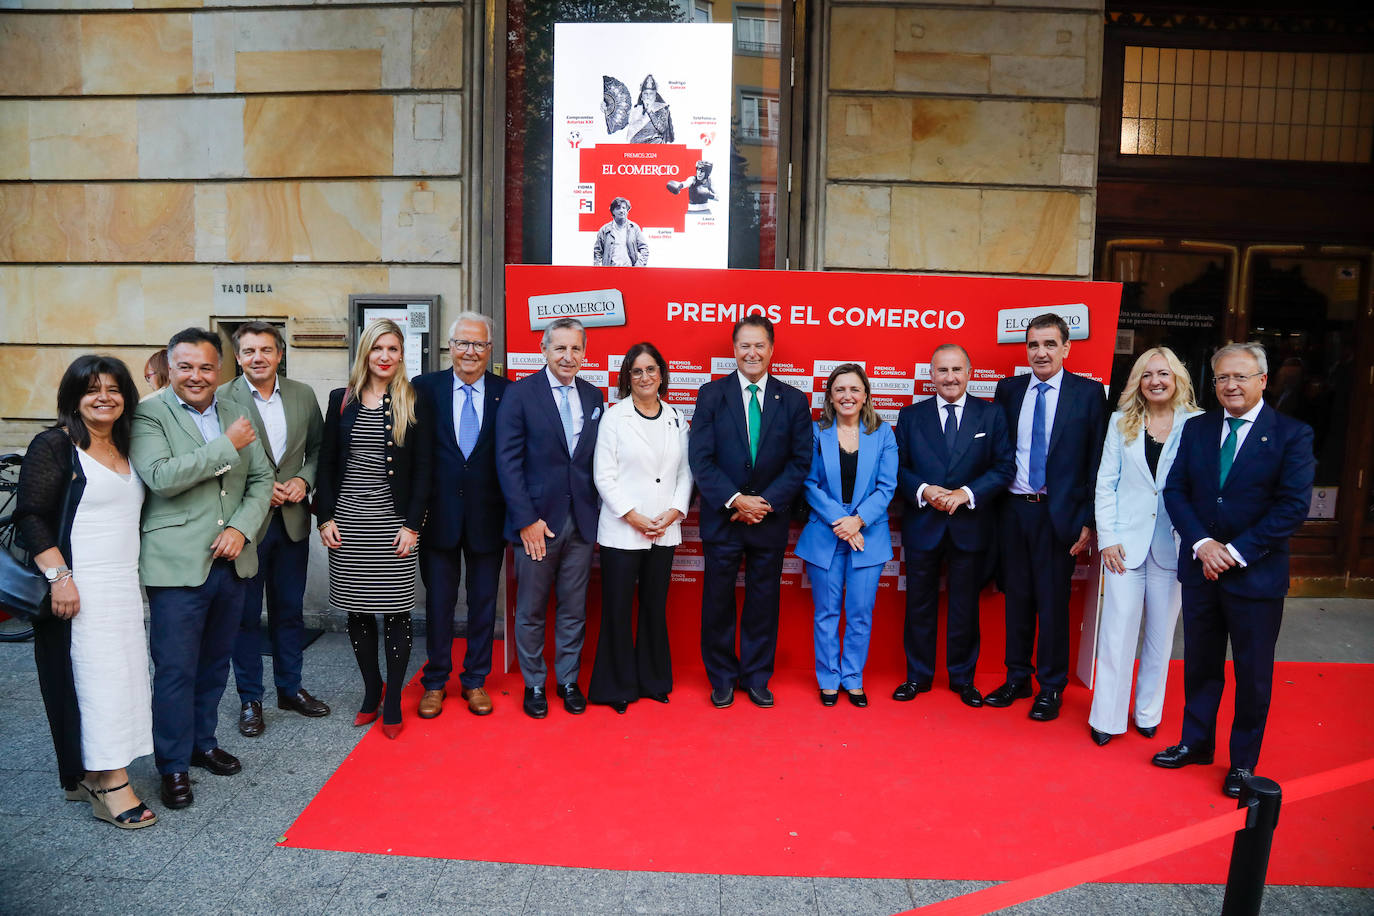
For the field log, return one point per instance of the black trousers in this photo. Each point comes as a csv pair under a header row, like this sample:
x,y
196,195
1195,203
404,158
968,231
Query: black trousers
x,y
1211,615
1037,572
630,666
923,612
440,570
52,656
758,619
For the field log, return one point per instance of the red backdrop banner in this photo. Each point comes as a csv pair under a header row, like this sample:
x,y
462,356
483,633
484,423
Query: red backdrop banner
x,y
888,323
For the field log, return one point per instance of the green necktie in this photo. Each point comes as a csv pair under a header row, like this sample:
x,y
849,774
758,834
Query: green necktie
x,y
755,421
1228,448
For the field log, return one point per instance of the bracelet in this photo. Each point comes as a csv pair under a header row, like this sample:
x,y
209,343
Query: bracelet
x,y
320,526
62,578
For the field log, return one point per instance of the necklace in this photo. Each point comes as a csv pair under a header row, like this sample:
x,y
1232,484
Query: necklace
x,y
1157,435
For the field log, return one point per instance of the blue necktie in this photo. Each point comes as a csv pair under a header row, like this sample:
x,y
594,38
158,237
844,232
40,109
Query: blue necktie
x,y
468,427
951,427
1039,441
565,411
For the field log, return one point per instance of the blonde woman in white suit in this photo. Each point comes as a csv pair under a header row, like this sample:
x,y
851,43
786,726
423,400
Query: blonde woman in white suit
x,y
1138,544
641,472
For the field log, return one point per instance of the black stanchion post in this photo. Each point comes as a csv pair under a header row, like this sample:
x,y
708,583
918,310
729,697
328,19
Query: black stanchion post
x,y
1250,850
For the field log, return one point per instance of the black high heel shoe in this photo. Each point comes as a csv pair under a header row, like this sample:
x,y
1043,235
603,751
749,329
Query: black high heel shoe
x,y
858,698
830,699
1099,738
619,706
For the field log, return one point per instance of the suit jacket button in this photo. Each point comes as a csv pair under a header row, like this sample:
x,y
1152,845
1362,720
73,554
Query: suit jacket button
x,y
1218,499
219,521
388,458
388,426
389,471
658,480
223,492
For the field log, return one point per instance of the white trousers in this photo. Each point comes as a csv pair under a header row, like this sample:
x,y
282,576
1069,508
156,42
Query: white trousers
x,y
1156,591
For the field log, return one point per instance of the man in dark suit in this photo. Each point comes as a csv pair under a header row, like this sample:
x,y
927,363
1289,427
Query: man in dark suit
x,y
1239,488
954,459
466,514
545,439
750,451
286,418
1057,421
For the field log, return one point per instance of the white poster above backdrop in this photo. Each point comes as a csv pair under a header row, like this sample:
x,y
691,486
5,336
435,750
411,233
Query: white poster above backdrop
x,y
641,113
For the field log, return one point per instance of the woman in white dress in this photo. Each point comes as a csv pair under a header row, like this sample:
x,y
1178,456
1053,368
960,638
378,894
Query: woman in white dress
x,y
78,513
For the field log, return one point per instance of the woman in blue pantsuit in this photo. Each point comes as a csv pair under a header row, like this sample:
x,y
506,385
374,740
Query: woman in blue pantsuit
x,y
846,541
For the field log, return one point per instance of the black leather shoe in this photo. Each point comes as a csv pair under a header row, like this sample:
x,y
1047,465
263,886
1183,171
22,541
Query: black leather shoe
x,y
722,697
761,697
830,699
176,790
859,699
573,700
303,703
968,694
250,719
1147,732
619,706
1181,755
536,702
1046,705
217,760
907,690
1007,694
1235,781
1099,738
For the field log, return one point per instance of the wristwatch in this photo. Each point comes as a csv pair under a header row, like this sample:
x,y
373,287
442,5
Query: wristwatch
x,y
53,573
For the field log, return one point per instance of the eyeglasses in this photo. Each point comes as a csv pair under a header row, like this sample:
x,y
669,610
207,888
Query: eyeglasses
x,y
476,346
1222,380
646,372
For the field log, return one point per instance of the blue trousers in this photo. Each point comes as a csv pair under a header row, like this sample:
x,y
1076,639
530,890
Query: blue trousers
x,y
191,635
439,568
281,569
855,588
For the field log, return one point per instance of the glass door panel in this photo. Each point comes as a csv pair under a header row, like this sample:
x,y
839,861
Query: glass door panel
x,y
1174,299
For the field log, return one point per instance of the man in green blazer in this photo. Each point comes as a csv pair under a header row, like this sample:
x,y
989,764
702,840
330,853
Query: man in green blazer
x,y
209,488
286,418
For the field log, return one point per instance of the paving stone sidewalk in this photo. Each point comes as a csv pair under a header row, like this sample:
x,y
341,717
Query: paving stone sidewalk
x,y
219,857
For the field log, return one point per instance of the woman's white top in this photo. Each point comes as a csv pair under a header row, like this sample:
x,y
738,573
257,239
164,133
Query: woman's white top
x,y
641,464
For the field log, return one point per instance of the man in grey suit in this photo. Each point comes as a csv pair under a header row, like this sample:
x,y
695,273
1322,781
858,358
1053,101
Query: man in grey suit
x,y
209,489
545,440
286,419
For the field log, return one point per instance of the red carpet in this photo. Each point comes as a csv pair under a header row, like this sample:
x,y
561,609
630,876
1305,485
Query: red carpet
x,y
928,789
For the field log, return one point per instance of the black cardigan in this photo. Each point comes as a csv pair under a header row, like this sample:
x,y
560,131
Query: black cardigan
x,y
48,465
408,466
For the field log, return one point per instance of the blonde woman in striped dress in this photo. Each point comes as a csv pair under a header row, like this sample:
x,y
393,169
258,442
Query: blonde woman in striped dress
x,y
370,498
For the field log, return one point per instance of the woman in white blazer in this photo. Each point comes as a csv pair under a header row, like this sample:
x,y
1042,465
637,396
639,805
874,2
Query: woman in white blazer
x,y
641,471
846,541
1138,545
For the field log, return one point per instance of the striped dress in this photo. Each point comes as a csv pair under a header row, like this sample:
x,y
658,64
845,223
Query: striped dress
x,y
365,575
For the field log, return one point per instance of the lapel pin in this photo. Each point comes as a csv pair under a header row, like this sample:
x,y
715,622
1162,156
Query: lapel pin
x,y
1264,438
777,397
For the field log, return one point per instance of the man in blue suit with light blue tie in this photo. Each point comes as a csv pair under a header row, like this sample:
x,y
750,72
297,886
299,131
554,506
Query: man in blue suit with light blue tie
x,y
1240,487
1057,421
464,527
955,459
545,440
750,451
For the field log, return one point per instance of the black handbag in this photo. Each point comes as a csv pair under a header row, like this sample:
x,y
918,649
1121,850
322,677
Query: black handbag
x,y
24,591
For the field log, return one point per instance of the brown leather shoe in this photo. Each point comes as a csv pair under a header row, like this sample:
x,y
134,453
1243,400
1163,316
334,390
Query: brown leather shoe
x,y
303,703
479,704
250,719
432,703
176,790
